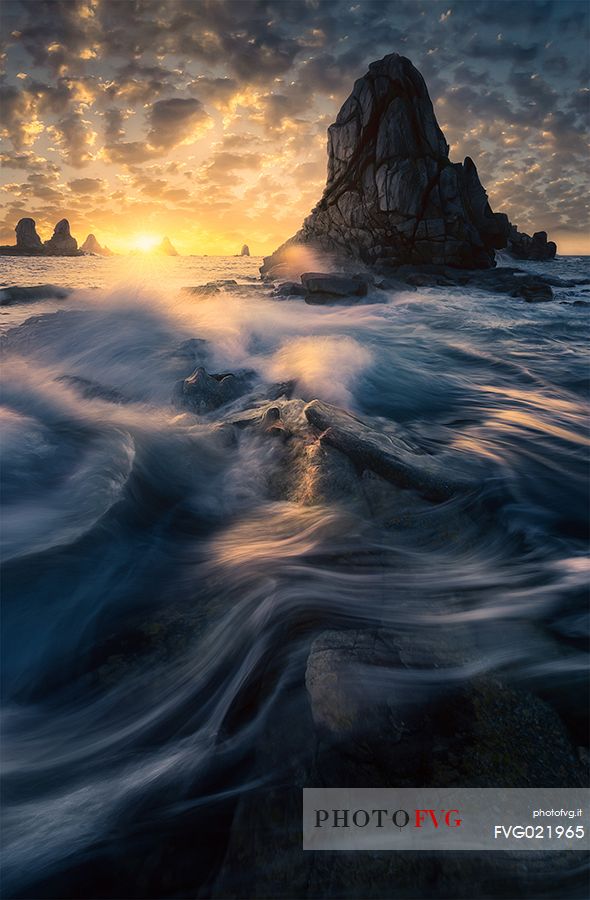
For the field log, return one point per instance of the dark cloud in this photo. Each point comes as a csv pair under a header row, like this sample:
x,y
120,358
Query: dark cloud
x,y
176,120
214,91
75,138
501,50
17,114
128,153
86,185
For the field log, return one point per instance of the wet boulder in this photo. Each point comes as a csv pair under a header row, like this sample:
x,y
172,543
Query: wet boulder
x,y
385,455
534,290
202,392
321,287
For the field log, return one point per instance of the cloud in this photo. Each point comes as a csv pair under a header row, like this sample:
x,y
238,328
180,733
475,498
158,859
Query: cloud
x,y
75,138
86,185
176,121
128,153
224,105
18,117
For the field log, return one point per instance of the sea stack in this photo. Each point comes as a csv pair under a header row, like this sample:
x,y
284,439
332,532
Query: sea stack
x,y
167,248
27,239
91,245
61,243
245,251
392,195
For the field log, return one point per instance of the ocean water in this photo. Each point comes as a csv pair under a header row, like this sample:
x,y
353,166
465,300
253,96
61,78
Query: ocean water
x,y
152,568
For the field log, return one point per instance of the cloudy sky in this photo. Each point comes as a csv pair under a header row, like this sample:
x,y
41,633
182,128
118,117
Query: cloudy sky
x,y
206,120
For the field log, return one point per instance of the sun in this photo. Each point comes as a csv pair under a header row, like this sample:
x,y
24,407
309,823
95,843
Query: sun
x,y
145,242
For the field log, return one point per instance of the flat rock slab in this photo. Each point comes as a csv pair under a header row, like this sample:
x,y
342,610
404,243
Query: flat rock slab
x,y
369,449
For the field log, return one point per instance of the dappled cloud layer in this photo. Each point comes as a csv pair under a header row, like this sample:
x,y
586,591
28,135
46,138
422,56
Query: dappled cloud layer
x,y
207,121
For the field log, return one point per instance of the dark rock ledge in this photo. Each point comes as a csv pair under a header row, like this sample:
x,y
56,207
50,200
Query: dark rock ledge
x,y
321,288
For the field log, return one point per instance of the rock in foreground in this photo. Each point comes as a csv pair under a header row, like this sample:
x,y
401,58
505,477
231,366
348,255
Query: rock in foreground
x,y
202,392
392,195
369,449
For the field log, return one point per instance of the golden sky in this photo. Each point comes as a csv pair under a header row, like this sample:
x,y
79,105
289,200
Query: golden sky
x,y
206,122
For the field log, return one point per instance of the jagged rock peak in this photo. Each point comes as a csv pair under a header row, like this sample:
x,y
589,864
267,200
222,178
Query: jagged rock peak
x,y
92,245
26,235
61,242
167,248
392,195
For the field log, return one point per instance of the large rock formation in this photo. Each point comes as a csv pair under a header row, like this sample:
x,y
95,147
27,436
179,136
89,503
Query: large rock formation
x,y
28,242
392,195
245,251
27,238
91,245
61,243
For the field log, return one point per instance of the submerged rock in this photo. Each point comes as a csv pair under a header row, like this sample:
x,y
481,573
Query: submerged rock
x,y
21,294
92,390
335,285
211,287
392,195
202,392
370,449
61,243
289,289
503,279
471,743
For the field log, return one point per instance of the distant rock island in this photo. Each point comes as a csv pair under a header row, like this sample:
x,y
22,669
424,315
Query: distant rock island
x,y
392,195
28,242
61,243
91,245
167,248
245,251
